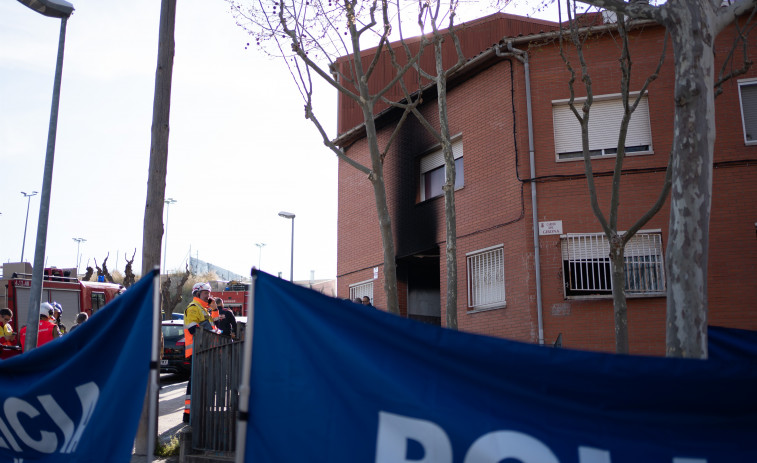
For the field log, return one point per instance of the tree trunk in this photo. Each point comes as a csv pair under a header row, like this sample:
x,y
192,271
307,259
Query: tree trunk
x,y
449,192
152,231
385,221
620,306
693,34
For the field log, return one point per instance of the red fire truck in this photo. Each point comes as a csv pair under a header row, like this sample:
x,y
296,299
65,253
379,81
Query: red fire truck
x,y
58,285
234,295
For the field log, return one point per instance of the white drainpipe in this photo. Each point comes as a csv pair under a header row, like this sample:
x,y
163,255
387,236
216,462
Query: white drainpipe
x,y
522,56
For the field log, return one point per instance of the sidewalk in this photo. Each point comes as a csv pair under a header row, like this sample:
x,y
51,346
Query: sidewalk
x,y
170,409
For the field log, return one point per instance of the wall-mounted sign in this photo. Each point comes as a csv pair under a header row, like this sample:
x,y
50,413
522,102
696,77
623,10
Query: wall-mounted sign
x,y
550,228
375,273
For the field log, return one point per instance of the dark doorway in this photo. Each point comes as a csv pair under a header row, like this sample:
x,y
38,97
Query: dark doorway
x,y
423,289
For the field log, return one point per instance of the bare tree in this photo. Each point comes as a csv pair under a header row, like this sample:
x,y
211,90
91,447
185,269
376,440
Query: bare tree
x,y
129,277
616,239
103,271
87,276
312,31
432,14
170,301
693,26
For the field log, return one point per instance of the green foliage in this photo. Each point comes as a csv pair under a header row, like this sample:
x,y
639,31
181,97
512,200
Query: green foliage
x,y
167,449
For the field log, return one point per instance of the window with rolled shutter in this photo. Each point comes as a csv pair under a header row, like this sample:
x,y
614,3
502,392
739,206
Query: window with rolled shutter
x,y
748,97
605,119
433,173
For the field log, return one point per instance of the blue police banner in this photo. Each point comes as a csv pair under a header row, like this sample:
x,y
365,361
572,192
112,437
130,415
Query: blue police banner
x,y
78,398
333,381
732,345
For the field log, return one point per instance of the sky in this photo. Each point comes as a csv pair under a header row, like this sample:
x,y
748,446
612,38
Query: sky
x,y
240,150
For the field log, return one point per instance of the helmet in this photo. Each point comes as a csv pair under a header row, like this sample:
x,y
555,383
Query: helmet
x,y
45,308
57,307
200,287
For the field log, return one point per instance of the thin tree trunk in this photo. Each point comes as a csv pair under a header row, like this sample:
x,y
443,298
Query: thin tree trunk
x,y
620,305
152,231
693,35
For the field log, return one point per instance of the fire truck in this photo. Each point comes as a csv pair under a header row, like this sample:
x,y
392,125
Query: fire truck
x,y
234,295
58,285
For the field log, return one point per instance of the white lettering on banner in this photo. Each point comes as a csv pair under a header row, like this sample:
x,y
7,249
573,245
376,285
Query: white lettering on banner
x,y
500,445
394,432
13,407
88,395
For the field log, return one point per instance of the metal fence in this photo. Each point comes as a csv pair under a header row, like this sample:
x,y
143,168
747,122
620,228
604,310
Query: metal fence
x,y
216,375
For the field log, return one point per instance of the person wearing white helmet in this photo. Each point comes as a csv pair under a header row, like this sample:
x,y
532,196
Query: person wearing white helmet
x,y
47,329
197,315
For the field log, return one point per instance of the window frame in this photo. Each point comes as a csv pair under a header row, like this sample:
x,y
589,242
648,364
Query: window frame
x,y
491,303
355,293
639,128
433,159
751,82
651,269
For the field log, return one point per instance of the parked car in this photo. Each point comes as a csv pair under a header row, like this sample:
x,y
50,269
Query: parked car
x,y
173,349
177,316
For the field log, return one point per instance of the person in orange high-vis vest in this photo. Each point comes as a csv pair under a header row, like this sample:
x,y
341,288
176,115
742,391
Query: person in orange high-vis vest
x,y
47,329
196,316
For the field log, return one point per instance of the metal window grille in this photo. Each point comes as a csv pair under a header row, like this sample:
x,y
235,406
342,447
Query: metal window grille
x,y
587,271
486,278
362,289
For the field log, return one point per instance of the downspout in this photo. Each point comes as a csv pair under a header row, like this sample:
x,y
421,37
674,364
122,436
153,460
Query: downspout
x,y
522,56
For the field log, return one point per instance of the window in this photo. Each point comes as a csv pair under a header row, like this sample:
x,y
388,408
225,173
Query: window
x,y
748,97
586,265
433,172
98,301
364,288
486,278
604,126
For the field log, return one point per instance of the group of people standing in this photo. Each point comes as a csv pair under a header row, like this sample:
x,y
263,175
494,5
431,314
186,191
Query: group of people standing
x,y
204,312
50,325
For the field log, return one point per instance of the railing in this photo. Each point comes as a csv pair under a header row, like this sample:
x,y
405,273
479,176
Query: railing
x,y
216,375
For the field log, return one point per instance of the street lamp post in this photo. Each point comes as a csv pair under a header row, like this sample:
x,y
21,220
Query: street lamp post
x,y
55,9
78,243
28,202
289,215
260,252
168,202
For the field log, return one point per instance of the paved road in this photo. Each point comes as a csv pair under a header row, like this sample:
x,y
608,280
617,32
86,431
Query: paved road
x,y
170,409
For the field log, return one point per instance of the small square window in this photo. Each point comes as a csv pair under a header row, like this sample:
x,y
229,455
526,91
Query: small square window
x,y
748,97
486,278
433,174
359,290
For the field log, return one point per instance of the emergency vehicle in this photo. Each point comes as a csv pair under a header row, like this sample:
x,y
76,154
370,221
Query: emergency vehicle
x,y
234,295
58,285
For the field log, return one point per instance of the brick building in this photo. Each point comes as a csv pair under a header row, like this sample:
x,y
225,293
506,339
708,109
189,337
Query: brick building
x,y
497,264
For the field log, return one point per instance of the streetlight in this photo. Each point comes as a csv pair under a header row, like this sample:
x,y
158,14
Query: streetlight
x,y
78,243
54,9
260,252
28,202
168,202
289,215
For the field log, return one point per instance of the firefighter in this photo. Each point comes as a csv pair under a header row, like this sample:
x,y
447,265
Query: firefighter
x,y
55,317
47,329
197,314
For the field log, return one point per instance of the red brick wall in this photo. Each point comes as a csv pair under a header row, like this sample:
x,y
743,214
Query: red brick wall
x,y
494,207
